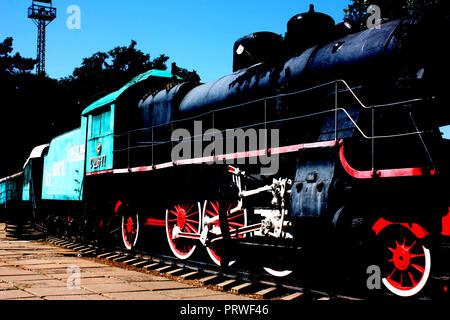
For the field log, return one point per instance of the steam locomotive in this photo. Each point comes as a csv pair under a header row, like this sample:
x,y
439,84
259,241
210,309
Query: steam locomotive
x,y
324,138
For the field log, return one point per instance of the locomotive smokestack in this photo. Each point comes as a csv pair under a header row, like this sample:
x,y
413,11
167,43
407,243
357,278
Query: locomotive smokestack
x,y
308,29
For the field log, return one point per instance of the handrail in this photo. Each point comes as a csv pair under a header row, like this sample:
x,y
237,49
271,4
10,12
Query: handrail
x,y
336,109
363,134
281,95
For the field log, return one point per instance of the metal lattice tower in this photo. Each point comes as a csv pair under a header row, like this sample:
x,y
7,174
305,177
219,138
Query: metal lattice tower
x,y
42,13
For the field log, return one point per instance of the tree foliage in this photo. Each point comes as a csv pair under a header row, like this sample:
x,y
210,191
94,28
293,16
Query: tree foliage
x,y
10,65
104,72
22,119
35,108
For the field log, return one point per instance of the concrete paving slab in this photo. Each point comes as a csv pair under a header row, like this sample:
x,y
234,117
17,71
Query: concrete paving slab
x,y
7,271
6,286
13,258
33,261
112,287
78,297
83,275
24,251
49,283
49,272
102,269
26,277
221,297
137,277
142,295
190,293
26,299
43,266
10,253
30,270
104,280
57,291
14,294
162,285
65,272
80,263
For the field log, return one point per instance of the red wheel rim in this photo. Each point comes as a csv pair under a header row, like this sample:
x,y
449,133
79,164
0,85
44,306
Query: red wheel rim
x,y
235,220
183,217
407,263
130,230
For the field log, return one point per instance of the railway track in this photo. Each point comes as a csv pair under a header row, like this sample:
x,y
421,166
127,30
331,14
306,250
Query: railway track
x,y
246,279
202,274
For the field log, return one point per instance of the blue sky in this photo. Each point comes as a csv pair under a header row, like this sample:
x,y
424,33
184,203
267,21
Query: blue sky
x,y
197,34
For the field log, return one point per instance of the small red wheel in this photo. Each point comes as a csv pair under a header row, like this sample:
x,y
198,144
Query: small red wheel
x,y
182,217
406,259
236,220
129,225
130,230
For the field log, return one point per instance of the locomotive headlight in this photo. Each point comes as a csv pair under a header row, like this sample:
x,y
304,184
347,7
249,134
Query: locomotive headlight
x,y
240,49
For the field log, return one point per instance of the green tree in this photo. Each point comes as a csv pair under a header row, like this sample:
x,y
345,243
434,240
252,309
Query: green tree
x,y
104,72
35,108
185,74
26,107
13,64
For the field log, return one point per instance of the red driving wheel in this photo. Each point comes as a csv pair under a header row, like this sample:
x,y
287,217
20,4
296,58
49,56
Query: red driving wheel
x,y
129,225
182,217
406,260
130,230
236,220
